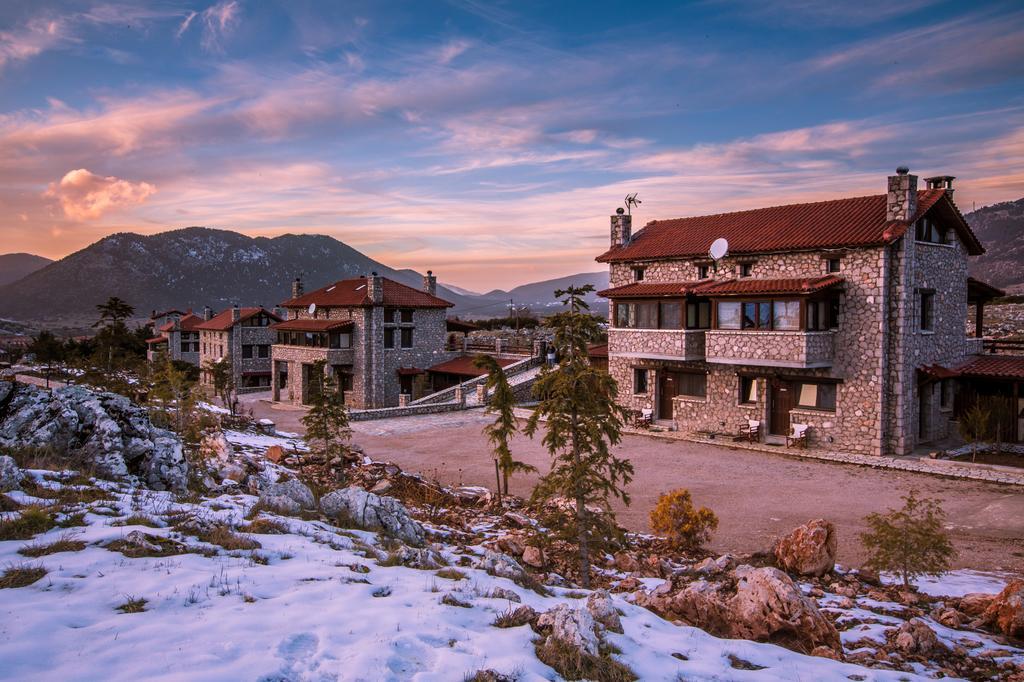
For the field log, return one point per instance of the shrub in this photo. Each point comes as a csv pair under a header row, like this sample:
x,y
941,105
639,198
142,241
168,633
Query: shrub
x,y
8,504
225,537
21,575
265,526
573,663
450,574
682,524
137,520
63,544
909,541
133,605
32,521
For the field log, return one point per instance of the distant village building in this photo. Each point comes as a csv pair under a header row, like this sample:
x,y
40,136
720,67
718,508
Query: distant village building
x,y
377,336
244,336
177,337
844,316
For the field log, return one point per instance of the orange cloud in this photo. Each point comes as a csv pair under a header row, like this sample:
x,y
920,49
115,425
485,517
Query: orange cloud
x,y
83,195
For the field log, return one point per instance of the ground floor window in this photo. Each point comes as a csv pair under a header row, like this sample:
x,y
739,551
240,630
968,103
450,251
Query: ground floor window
x,y
748,390
691,384
816,396
639,380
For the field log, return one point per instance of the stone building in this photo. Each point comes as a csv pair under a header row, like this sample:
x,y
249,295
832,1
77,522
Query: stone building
x,y
244,336
845,315
177,337
376,335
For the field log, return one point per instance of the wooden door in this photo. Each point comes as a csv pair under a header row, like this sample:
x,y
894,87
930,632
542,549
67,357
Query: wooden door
x,y
781,399
668,388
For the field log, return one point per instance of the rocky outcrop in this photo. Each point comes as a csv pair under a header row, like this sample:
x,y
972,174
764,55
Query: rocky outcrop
x,y
371,512
809,550
603,611
10,474
916,638
103,431
572,626
1006,611
287,497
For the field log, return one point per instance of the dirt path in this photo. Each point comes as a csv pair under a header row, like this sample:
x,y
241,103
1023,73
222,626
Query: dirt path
x,y
757,496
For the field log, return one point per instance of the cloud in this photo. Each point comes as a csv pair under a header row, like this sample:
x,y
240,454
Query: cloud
x,y
216,21
37,36
83,195
449,51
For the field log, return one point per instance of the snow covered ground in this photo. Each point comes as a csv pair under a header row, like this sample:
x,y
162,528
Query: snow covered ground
x,y
308,605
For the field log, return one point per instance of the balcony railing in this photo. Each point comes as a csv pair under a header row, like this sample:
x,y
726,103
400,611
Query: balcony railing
x,y
657,344
796,349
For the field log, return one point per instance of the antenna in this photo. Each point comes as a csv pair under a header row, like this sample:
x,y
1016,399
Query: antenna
x,y
312,308
631,201
719,249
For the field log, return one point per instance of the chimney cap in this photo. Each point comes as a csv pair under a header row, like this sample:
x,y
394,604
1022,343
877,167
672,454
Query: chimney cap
x,y
430,273
902,170
374,273
620,210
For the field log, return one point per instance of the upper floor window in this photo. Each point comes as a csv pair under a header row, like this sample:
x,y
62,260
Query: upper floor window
x,y
638,274
698,315
745,269
405,315
927,305
650,315
822,315
406,337
927,230
782,315
259,320
832,265
703,271
389,338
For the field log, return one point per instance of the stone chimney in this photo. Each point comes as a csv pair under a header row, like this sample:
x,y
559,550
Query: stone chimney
x,y
207,312
622,228
901,200
236,313
297,289
430,283
941,182
375,289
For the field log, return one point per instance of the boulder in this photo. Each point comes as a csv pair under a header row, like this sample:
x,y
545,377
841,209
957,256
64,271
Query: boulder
x,y
975,604
420,558
1006,611
501,566
534,556
502,593
572,626
769,607
372,512
105,430
603,611
10,475
703,604
713,566
523,615
914,637
275,453
291,496
809,550
216,446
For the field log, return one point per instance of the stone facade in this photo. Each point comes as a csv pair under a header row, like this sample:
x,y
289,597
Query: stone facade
x,y
872,355
234,334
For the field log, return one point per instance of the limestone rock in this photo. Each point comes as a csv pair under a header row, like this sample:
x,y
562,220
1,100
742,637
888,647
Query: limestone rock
x,y
291,496
501,566
713,566
216,446
915,637
769,607
502,593
534,556
10,475
573,626
975,604
275,453
602,610
809,550
626,562
372,512
106,430
1007,610
420,558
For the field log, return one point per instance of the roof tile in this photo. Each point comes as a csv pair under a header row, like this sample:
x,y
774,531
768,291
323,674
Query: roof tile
x,y
352,292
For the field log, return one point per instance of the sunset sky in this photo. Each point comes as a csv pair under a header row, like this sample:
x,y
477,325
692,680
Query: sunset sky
x,y
488,142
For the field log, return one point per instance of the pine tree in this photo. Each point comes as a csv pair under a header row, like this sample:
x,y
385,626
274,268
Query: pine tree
x,y
222,376
172,386
582,422
48,350
113,331
326,421
501,404
910,541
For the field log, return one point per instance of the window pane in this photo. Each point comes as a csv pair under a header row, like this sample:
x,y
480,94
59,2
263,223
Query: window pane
x,y
787,315
728,315
671,315
748,390
827,396
808,395
623,313
704,314
639,380
693,385
389,338
647,315
764,315
691,315
407,337
407,315
749,315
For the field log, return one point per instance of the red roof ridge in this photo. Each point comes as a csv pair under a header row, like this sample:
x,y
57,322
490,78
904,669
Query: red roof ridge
x,y
776,206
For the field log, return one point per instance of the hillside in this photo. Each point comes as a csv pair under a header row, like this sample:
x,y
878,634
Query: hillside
x,y
539,296
14,266
1000,227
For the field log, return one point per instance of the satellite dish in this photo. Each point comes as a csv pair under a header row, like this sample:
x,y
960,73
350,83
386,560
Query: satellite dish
x,y
312,308
719,248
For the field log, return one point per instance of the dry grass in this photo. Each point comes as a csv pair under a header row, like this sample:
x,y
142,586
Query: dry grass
x,y
66,494
72,520
514,617
223,536
8,504
21,575
137,520
265,526
574,664
451,574
65,543
133,605
162,547
32,521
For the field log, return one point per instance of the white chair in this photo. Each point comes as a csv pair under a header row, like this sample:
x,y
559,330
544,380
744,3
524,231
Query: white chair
x,y
797,435
751,430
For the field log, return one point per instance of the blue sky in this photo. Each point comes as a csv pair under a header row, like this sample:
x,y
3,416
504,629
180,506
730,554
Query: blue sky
x,y
487,141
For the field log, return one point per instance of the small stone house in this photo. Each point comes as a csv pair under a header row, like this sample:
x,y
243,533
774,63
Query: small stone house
x,y
245,336
177,337
847,316
376,335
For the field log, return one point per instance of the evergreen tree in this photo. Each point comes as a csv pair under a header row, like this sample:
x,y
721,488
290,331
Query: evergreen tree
x,y
48,351
113,334
326,421
910,541
222,376
582,422
501,404
172,386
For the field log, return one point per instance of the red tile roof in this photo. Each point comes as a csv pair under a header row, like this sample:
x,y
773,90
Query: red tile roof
x,y
223,322
409,371
598,350
172,311
157,339
648,289
313,325
464,366
797,286
994,367
853,222
188,323
352,292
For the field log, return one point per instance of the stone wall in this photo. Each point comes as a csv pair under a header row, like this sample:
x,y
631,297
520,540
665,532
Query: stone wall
x,y
771,348
669,343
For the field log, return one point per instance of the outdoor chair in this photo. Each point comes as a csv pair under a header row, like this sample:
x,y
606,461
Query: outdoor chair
x,y
751,431
642,419
797,436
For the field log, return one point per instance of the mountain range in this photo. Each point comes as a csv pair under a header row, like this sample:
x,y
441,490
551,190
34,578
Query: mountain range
x,y
1000,227
197,266
14,266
